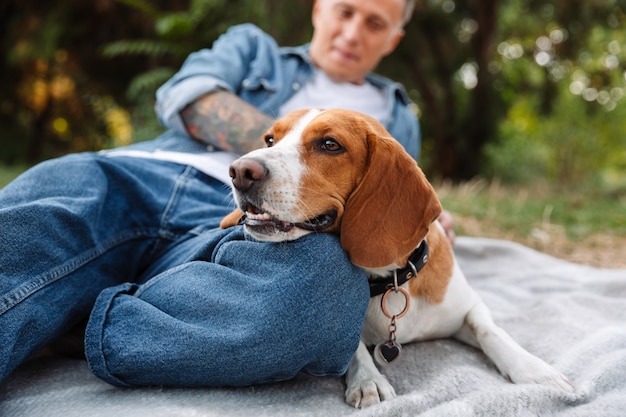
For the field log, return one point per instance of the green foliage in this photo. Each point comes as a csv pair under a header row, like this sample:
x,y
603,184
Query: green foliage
x,y
174,26
148,81
520,155
8,173
175,35
561,74
577,143
143,6
150,47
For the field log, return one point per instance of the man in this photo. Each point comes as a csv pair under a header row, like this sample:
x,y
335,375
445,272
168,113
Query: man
x,y
131,236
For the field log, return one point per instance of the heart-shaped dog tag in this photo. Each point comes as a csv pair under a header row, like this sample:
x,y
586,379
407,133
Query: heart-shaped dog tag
x,y
388,351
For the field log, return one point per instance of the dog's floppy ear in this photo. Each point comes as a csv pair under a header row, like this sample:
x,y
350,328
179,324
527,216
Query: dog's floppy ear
x,y
391,209
231,219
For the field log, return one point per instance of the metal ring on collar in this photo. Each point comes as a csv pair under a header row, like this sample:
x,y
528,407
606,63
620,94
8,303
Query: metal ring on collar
x,y
407,302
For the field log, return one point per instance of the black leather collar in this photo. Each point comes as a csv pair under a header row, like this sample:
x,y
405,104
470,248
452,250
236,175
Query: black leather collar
x,y
416,262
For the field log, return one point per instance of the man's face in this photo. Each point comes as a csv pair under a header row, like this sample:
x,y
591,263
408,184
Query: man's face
x,y
351,36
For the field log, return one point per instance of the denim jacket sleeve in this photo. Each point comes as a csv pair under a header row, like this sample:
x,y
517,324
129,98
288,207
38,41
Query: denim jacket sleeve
x,y
243,59
404,125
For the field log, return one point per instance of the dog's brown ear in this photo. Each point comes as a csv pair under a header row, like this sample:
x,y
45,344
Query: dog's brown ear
x,y
391,209
231,219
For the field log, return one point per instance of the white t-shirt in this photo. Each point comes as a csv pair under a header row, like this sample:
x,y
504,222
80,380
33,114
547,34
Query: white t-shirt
x,y
320,91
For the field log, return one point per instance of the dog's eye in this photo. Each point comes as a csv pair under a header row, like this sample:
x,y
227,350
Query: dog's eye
x,y
269,141
330,145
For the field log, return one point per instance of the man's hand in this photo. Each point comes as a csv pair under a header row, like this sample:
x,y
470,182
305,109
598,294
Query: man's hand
x,y
447,222
225,121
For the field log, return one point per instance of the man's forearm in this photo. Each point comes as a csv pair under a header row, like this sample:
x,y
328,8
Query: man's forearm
x,y
227,122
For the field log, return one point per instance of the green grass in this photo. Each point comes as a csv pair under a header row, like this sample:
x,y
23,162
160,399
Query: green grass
x,y
8,173
521,211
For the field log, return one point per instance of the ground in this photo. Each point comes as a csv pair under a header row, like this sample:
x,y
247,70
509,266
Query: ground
x,y
601,250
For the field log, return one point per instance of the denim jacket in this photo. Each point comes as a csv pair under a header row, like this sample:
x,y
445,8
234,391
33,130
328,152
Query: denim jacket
x,y
247,62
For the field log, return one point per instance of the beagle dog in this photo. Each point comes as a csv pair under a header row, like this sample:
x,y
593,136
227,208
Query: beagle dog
x,y
341,172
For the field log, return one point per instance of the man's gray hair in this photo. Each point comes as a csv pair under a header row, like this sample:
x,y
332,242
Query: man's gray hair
x,y
409,6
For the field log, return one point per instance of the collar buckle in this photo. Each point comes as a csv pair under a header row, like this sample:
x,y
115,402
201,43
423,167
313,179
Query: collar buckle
x,y
400,276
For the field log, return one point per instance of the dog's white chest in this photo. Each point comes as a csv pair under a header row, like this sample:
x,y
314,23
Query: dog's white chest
x,y
423,321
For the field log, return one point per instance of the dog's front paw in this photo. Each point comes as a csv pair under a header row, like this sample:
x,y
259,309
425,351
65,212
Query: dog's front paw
x,y
366,392
536,371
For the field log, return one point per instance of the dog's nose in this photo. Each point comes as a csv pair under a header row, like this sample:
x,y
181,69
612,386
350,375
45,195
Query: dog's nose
x,y
245,172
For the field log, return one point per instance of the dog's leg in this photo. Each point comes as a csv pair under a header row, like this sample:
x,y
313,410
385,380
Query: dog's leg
x,y
515,363
366,386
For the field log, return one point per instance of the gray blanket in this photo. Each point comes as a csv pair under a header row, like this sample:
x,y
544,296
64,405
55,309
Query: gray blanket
x,y
572,316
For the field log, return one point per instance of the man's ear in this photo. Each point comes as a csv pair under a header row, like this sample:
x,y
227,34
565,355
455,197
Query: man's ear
x,y
394,42
315,12
232,219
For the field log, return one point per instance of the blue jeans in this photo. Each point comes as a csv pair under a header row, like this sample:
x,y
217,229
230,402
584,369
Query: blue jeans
x,y
173,300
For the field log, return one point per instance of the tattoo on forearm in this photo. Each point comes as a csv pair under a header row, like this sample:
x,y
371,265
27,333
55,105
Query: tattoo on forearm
x,y
226,122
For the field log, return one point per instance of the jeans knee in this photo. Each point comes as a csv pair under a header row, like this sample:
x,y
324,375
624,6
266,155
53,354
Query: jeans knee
x,y
328,265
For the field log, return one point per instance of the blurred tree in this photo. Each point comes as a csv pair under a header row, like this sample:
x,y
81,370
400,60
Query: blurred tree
x,y
467,63
177,33
59,93
564,63
76,73
445,57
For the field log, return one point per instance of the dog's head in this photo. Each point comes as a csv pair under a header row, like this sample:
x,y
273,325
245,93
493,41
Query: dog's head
x,y
335,171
